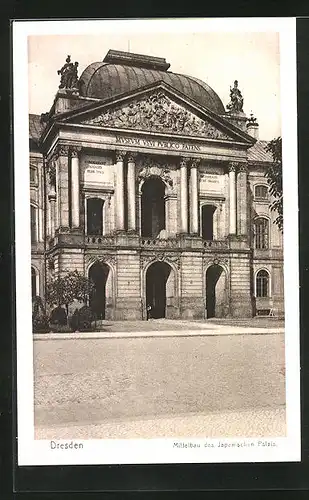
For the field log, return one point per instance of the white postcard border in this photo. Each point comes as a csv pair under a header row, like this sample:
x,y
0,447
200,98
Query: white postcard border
x,y
35,452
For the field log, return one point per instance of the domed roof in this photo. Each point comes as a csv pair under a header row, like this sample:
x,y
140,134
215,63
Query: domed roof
x,y
107,79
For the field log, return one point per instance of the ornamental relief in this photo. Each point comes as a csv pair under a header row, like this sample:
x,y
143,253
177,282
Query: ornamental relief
x,y
157,113
105,259
158,171
160,257
215,260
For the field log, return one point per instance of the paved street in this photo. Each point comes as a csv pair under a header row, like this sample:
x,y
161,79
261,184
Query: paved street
x,y
221,385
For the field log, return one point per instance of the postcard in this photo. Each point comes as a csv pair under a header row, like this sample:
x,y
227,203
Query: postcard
x,y
157,305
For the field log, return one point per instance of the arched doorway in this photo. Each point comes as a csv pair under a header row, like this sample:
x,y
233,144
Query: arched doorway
x,y
157,284
99,273
152,207
208,212
216,292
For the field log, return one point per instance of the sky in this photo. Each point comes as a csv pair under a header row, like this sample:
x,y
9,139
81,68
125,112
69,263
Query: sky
x,y
218,58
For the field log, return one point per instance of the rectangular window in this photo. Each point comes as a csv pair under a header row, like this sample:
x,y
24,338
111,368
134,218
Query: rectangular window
x,y
261,234
33,223
33,175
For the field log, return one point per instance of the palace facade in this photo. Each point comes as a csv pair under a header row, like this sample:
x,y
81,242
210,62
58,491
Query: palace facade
x,y
142,180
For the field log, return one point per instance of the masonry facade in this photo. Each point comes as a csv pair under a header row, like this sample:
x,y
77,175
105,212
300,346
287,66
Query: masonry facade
x,y
141,180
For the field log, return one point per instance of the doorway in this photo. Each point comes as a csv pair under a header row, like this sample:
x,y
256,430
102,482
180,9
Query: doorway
x,y
156,283
216,295
208,212
152,207
98,273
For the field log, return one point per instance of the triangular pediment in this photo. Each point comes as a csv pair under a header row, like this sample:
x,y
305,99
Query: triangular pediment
x,y
160,110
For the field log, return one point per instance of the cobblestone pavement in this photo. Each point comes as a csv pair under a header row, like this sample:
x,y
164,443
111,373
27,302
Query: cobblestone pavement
x,y
216,385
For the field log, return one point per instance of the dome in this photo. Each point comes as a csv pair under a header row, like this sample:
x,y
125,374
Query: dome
x,y
109,78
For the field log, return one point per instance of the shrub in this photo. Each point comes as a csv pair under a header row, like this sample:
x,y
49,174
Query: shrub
x,y
74,321
58,316
40,325
60,328
85,317
39,318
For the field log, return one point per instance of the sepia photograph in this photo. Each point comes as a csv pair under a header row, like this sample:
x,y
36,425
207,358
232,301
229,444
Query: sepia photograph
x,y
155,237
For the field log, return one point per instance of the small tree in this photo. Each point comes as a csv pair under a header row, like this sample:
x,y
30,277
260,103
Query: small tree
x,y
274,179
65,289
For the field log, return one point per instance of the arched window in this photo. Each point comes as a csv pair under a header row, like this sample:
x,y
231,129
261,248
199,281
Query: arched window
x,y
95,216
262,284
208,212
33,223
261,233
261,192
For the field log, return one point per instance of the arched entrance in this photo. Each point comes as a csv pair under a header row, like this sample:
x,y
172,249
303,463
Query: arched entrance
x,y
216,292
157,288
99,273
152,207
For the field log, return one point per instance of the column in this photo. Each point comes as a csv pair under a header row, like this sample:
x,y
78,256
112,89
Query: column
x,y
52,211
183,195
131,184
194,197
120,190
232,197
40,203
63,188
75,199
242,200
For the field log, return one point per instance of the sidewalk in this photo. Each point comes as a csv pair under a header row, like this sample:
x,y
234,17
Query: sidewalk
x,y
261,422
164,328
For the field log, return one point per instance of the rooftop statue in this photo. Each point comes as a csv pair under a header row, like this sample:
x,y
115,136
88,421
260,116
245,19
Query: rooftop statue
x,y
69,76
237,100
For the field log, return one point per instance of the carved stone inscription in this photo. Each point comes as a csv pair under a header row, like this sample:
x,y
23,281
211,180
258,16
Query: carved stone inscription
x,y
153,143
212,182
99,174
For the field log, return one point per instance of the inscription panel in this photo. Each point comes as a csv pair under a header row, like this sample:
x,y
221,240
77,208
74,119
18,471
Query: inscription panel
x,y
99,174
213,183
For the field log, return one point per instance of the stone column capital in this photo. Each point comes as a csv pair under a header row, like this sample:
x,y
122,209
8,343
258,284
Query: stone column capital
x,y
232,167
243,167
120,155
62,150
195,162
75,151
132,156
184,161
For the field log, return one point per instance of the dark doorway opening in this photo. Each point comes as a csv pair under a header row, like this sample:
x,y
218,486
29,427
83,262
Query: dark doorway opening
x,y
152,207
33,282
94,216
98,273
156,280
213,274
208,222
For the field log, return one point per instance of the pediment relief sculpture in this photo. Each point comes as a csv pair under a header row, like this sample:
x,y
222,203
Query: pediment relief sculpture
x,y
157,113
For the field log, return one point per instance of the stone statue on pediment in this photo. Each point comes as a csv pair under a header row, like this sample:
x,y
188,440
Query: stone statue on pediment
x,y
69,74
237,101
